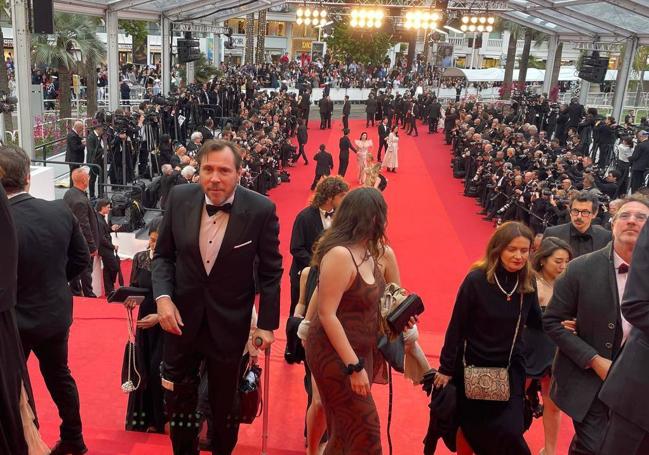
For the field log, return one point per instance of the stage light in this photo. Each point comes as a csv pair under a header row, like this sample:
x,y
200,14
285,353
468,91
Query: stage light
x,y
300,12
472,28
354,22
465,20
482,19
307,12
378,24
490,28
323,21
307,21
491,20
299,21
323,13
366,18
464,28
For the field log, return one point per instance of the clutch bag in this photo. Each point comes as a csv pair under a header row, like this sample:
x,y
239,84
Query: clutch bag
x,y
398,318
484,383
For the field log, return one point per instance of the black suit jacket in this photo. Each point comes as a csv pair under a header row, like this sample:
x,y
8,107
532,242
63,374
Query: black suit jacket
x,y
9,256
224,297
324,163
52,251
586,291
601,237
78,202
75,149
384,131
435,110
624,390
95,150
345,144
640,158
347,108
307,227
106,247
302,134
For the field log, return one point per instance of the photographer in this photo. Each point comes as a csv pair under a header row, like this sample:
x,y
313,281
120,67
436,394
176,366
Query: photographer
x,y
121,159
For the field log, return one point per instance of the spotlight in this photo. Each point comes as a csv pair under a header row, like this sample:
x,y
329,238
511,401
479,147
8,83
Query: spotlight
x,y
300,12
491,20
353,23
464,28
378,24
480,28
482,19
307,13
323,13
323,21
465,20
354,13
307,21
471,27
490,28
299,21
474,19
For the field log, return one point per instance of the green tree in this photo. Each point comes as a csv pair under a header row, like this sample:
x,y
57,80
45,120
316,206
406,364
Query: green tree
x,y
531,35
93,52
639,66
537,63
515,31
4,78
362,46
74,35
203,70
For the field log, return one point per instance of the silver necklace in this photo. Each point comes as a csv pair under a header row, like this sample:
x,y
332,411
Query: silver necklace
x,y
508,294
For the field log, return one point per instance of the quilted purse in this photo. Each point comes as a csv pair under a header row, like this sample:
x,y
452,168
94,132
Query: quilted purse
x,y
489,383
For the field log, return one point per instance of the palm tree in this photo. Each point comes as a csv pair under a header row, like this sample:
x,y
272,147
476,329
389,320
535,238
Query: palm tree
x,y
73,46
250,39
530,35
261,36
4,78
640,66
515,31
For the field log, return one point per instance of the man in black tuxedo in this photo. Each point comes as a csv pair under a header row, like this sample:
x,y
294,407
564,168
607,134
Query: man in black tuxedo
x,y
627,381
309,224
582,236
212,239
207,130
106,249
76,147
434,113
324,165
329,109
590,291
384,132
12,439
51,251
302,139
77,200
345,145
96,156
347,108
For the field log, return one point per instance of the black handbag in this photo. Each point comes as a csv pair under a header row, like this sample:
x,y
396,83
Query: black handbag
x,y
399,317
250,402
394,352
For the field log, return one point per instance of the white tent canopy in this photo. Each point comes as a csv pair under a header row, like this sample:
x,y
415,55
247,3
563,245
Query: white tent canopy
x,y
567,73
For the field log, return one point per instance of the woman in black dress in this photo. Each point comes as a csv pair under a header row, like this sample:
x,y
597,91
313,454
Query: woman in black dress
x,y
145,408
548,262
482,331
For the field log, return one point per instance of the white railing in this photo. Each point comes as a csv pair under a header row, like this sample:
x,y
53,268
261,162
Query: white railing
x,y
495,43
457,41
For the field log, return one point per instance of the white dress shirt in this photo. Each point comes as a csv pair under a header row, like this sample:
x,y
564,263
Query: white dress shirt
x,y
621,284
211,233
326,220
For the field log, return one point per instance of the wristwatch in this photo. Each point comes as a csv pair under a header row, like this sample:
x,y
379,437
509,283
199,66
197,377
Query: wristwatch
x,y
351,368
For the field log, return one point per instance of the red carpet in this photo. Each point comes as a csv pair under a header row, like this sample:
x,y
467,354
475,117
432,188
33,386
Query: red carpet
x,y
436,235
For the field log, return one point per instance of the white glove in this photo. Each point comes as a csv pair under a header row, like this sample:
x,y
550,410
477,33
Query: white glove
x,y
303,329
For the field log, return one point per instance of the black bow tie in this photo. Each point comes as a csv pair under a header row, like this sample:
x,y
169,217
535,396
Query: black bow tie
x,y
623,268
329,214
214,209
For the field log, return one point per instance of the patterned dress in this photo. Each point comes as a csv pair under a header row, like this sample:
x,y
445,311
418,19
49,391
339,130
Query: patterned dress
x,y
352,420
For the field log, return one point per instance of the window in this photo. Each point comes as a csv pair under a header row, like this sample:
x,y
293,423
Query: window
x,y
275,28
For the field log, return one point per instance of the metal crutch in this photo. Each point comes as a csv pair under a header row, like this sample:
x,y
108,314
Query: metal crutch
x,y
264,431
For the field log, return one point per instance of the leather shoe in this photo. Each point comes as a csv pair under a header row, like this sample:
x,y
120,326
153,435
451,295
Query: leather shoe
x,y
69,448
205,444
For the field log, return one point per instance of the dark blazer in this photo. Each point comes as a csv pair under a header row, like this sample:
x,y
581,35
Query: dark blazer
x,y
435,110
586,291
384,131
345,144
95,150
106,247
302,134
75,151
624,390
371,106
601,237
78,202
52,251
640,158
207,134
347,108
9,256
324,163
307,227
224,297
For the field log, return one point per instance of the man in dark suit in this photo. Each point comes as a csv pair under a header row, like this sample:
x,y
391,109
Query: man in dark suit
x,y
207,130
639,161
590,291
212,239
345,145
96,156
309,224
302,139
347,108
324,165
76,147
370,109
329,109
582,236
434,113
11,353
77,200
51,251
106,249
625,386
384,132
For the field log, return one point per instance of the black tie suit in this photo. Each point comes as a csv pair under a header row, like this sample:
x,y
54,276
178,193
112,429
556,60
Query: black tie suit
x,y
215,308
384,131
345,145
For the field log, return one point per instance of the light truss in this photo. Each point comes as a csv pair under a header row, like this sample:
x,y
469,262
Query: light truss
x,y
598,46
479,5
200,28
358,3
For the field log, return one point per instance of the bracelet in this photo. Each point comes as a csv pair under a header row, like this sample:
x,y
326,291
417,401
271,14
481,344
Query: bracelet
x,y
351,368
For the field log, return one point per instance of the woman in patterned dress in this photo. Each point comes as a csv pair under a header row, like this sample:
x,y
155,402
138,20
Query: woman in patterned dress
x,y
363,145
391,158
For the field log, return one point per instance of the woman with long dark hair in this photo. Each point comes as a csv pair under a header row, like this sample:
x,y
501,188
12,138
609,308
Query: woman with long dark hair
x,y
341,346
549,261
495,300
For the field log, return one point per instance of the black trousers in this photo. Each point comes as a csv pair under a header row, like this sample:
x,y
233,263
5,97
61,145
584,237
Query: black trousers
x,y
180,365
52,355
323,121
589,433
432,125
82,285
111,267
295,287
637,180
343,163
412,126
370,119
316,179
328,120
383,146
345,121
301,153
96,174
624,437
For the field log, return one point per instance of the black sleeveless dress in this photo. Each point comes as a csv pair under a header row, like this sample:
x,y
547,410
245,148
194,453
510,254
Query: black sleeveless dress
x,y
352,420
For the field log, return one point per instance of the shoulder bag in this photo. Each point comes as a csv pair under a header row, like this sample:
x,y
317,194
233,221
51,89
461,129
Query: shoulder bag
x,y
489,383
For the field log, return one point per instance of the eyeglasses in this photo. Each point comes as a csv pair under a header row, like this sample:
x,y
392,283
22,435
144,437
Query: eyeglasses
x,y
626,216
577,212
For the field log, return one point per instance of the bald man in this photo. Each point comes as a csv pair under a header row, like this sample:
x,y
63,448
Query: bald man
x,y
77,199
76,147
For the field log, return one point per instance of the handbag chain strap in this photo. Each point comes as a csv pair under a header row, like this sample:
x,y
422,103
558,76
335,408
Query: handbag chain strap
x,y
511,351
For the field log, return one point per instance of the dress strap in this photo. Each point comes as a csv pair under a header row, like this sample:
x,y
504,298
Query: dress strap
x,y
353,259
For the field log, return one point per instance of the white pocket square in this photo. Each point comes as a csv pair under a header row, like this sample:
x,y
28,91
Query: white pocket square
x,y
243,244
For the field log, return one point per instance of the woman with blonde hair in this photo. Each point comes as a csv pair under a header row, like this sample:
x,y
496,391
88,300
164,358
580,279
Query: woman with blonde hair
x,y
495,301
363,145
371,171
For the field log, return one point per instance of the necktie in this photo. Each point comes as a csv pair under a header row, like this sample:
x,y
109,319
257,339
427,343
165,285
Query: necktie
x,y
623,268
329,214
214,209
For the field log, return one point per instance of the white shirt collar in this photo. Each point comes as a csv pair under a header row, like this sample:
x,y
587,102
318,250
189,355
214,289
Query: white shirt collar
x,y
11,196
617,261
